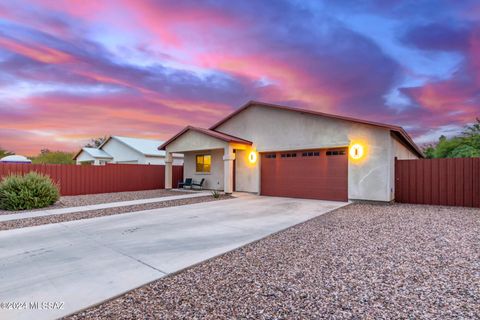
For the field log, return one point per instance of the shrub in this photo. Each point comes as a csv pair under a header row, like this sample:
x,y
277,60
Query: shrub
x,y
215,194
30,191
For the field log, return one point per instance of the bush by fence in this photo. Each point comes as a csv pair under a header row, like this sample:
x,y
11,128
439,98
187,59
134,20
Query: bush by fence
x,y
29,191
76,180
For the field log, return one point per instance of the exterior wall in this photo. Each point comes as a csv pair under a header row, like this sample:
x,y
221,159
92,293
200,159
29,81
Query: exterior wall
x,y
122,154
176,161
84,157
401,152
202,144
192,140
161,160
247,176
154,160
214,179
275,130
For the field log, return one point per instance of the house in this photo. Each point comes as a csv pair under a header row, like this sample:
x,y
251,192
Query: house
x,y
276,150
127,150
15,159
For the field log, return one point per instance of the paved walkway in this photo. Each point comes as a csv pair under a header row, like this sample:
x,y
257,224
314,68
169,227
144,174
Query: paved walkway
x,y
81,263
41,213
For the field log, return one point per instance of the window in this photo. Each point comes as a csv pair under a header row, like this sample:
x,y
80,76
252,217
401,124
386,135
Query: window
x,y
288,155
335,152
203,163
271,156
311,154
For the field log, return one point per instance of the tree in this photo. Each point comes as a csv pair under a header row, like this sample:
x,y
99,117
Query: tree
x,y
465,145
53,157
4,153
464,151
429,150
472,134
96,142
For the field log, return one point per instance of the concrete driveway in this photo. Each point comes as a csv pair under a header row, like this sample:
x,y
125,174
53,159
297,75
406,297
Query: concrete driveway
x,y
68,266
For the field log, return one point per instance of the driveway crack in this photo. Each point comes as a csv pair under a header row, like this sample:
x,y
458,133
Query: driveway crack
x,y
113,249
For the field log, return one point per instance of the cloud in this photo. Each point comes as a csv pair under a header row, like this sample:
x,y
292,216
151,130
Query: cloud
x,y
73,70
439,36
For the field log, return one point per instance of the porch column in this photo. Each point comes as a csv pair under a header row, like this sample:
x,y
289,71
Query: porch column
x,y
228,158
168,170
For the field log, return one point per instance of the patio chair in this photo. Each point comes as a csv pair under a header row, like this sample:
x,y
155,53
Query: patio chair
x,y
198,184
188,183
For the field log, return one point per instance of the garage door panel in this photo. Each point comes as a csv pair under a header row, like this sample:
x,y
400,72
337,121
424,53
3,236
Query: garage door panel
x,y
314,177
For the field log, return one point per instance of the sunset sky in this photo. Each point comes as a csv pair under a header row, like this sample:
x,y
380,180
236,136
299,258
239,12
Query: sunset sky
x,y
73,70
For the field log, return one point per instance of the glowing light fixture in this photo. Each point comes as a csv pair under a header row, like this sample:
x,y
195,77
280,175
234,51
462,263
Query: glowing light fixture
x,y
252,157
356,151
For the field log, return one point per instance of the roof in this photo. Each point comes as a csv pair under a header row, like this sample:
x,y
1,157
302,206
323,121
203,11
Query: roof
x,y
396,129
211,133
147,147
95,153
15,159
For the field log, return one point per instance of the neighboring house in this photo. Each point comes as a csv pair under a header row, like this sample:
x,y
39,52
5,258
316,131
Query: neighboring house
x,y
15,159
281,151
127,150
92,156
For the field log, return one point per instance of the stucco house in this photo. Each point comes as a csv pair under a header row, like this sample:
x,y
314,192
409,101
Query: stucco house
x,y
282,151
127,150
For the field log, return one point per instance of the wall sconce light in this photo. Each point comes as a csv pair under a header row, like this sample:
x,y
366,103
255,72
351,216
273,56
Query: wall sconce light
x,y
252,157
356,151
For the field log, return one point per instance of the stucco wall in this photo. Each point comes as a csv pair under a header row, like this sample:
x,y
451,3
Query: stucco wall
x,y
214,179
402,153
273,130
247,174
192,140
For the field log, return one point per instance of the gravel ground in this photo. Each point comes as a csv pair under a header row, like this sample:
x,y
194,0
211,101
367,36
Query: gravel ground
x,y
30,222
89,199
362,261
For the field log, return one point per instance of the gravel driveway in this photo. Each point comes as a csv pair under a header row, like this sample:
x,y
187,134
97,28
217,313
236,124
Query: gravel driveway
x,y
37,221
89,199
362,261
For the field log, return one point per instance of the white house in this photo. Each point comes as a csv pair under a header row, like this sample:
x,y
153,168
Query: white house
x,y
127,150
15,159
281,151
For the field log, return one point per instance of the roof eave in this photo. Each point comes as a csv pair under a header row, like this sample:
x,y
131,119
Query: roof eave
x,y
217,135
250,103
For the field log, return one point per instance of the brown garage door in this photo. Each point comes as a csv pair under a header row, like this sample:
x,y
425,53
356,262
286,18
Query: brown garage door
x,y
311,174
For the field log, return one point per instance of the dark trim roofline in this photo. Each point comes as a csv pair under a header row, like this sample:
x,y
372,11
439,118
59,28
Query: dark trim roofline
x,y
393,128
211,133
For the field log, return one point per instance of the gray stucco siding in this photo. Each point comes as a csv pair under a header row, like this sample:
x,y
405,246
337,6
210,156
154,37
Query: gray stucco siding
x,y
273,129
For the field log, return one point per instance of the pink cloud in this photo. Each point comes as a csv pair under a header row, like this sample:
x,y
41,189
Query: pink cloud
x,y
35,51
202,61
64,122
172,22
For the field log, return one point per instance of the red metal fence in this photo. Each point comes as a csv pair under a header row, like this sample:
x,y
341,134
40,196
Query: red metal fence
x,y
75,180
449,182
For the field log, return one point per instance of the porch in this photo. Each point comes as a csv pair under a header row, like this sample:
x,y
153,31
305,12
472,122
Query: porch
x,y
226,163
